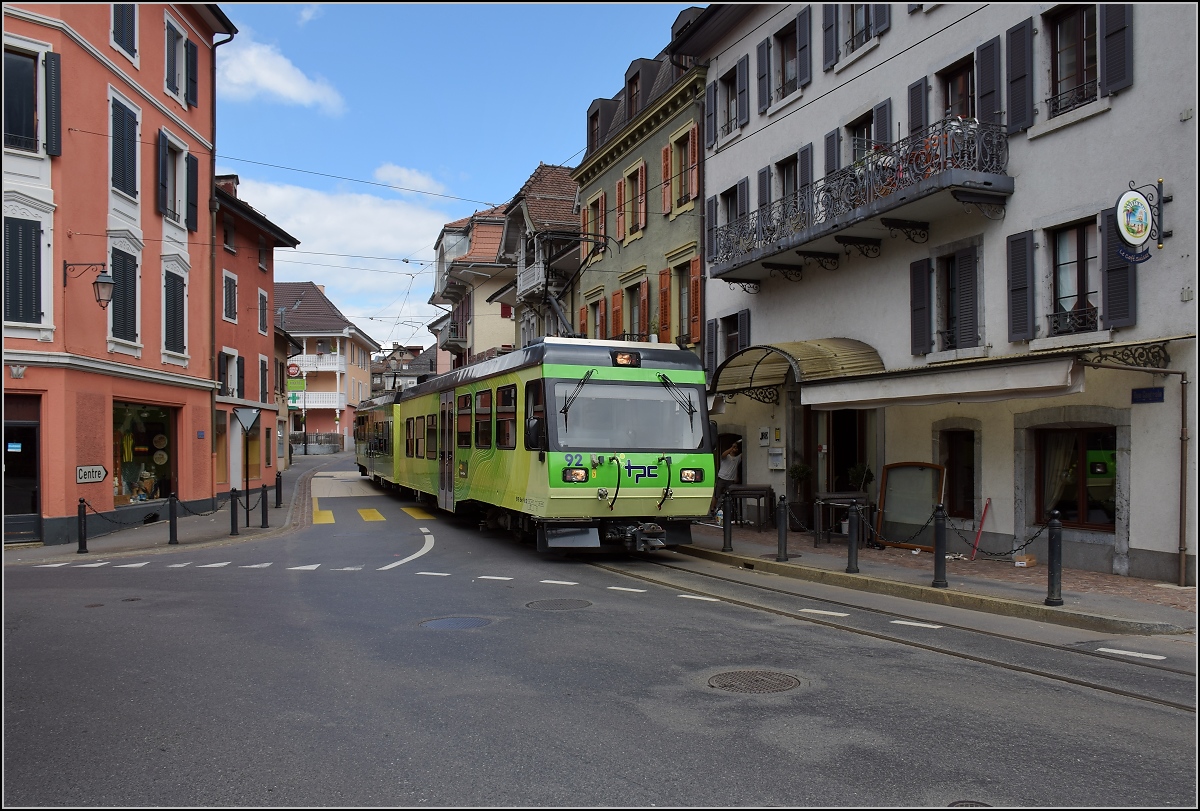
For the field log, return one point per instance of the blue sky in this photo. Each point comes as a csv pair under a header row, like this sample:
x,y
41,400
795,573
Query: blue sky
x,y
457,101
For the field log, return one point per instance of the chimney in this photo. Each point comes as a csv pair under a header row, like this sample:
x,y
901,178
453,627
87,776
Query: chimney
x,y
228,183
321,287
395,345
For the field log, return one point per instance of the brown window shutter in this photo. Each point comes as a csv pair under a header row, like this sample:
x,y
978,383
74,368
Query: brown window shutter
x,y
583,321
664,305
666,179
621,208
694,288
643,325
642,196
601,319
694,161
618,312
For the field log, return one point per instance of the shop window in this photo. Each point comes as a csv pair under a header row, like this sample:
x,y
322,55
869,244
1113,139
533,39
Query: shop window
x,y
1077,475
254,455
221,446
143,453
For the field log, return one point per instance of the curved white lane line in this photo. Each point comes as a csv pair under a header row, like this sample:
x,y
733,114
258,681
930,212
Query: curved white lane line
x,y
428,545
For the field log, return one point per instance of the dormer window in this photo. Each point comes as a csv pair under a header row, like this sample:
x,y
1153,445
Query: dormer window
x,y
634,95
593,130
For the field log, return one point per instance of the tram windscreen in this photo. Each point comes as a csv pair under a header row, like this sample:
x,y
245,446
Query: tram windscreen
x,y
643,417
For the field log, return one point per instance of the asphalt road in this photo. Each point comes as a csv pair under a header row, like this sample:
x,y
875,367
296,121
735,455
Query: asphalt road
x,y
303,670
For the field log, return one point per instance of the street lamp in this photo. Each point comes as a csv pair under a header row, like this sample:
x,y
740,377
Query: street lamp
x,y
103,284
390,376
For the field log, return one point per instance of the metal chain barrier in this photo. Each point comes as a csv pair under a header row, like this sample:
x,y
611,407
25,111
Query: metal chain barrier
x,y
882,540
242,504
189,511
998,555
139,522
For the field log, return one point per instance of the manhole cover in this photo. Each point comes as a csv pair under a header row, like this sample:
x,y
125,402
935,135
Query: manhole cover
x,y
753,681
455,623
557,605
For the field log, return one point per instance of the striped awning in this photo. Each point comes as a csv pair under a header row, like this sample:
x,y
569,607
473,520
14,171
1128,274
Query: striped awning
x,y
765,365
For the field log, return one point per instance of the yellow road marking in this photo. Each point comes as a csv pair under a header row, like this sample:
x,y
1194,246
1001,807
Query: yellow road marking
x,y
371,515
417,512
321,516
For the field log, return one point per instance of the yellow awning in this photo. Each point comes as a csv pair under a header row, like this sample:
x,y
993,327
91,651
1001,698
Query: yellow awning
x,y
768,364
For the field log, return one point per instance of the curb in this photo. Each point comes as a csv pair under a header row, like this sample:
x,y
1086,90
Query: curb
x,y
945,597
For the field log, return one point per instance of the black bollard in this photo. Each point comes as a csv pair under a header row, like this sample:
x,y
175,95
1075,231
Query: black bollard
x,y
172,504
939,548
233,505
1054,565
852,541
727,523
278,489
263,500
82,527
781,521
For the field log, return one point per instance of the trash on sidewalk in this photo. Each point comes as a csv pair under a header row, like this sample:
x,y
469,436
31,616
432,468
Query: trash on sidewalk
x,y
1024,561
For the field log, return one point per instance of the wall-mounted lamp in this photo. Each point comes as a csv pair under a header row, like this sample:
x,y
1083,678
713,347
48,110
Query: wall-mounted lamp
x,y
103,284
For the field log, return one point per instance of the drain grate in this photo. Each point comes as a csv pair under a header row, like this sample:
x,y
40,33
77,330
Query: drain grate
x,y
455,623
557,605
753,681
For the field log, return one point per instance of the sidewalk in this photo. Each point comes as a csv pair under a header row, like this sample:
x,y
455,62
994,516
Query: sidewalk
x,y
1093,600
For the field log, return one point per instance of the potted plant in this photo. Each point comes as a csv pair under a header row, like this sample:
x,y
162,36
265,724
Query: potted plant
x,y
860,476
798,509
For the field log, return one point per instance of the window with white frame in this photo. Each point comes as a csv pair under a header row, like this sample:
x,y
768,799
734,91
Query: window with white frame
x,y
20,100
124,29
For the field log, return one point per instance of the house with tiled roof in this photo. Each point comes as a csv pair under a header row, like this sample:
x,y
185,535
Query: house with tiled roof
x,y
335,364
469,272
402,367
541,238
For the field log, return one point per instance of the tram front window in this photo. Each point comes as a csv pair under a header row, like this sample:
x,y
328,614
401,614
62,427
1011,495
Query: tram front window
x,y
627,418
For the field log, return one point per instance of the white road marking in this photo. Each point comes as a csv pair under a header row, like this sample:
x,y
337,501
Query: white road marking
x,y
49,565
561,582
347,569
492,577
214,565
622,588
255,566
915,624
178,565
303,568
824,613
92,565
696,597
132,565
1130,653
423,530
436,574
428,545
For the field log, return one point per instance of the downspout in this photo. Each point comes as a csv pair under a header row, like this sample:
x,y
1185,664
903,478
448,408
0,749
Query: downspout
x,y
213,207
1183,440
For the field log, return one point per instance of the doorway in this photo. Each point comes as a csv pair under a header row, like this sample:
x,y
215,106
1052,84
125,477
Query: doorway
x,y
845,444
22,469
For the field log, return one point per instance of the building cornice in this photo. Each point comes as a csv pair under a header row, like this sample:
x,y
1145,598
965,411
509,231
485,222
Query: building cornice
x,y
83,363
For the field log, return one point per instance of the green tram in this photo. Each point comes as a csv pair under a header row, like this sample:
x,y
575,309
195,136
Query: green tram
x,y
571,442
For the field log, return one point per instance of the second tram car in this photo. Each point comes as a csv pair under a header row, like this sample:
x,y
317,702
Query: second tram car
x,y
574,443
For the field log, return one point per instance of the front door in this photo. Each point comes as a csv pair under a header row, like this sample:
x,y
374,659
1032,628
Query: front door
x,y
22,505
446,423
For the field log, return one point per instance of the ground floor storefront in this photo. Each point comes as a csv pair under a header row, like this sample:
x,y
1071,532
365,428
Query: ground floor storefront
x,y
245,457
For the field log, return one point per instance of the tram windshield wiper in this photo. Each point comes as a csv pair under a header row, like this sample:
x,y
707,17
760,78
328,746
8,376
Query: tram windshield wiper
x,y
571,399
679,396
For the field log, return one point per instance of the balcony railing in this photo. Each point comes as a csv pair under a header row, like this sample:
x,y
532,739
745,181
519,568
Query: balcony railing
x,y
857,40
953,143
531,280
949,339
172,215
1070,322
24,142
316,399
1069,100
320,363
785,89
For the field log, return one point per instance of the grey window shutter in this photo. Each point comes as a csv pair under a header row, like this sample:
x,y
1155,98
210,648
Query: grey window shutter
x,y
118,146
164,154
124,303
192,164
710,346
804,47
743,329
918,111
262,381
914,7
919,306
710,114
882,118
1119,278
125,26
833,157
710,226
988,104
223,373
829,31
967,325
124,147
881,18
53,103
1021,318
22,270
743,91
173,38
764,186
193,73
743,197
804,166
1020,76
1116,47
241,378
174,339
764,75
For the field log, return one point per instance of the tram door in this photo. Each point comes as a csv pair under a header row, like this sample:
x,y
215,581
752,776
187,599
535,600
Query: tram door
x,y
446,423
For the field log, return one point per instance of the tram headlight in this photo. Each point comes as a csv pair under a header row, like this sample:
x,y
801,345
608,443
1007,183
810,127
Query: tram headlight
x,y
691,475
575,475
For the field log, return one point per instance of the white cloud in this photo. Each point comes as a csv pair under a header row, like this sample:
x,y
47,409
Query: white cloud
x,y
308,12
389,306
410,179
248,70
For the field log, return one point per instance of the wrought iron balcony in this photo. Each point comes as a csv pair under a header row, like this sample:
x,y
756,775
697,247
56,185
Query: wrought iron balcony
x,y
949,339
1070,322
857,40
1069,100
825,205
23,142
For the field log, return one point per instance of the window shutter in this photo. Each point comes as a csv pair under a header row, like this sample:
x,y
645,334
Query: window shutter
x,y
967,324
1020,287
804,47
1020,76
193,191
710,114
118,143
53,103
643,325
160,197
22,270
125,26
829,26
583,321
743,329
918,118
710,347
882,118
241,378
262,381
174,339
743,91
833,157
881,18
664,306
223,373
192,66
129,142
710,227
695,288
1119,278
621,208
584,245
124,303
666,179
642,197
804,166
764,186
764,75
693,162
602,245
743,197
601,319
987,82
1116,47
173,38
918,287
618,313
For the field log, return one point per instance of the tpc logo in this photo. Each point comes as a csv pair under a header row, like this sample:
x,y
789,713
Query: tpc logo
x,y
640,472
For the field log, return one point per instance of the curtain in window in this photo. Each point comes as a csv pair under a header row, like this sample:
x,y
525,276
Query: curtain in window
x,y
1058,456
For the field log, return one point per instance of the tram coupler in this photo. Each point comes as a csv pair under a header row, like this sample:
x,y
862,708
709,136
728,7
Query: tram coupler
x,y
645,537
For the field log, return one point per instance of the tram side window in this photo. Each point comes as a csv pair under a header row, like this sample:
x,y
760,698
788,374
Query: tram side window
x,y
387,438
464,421
431,436
535,405
408,437
506,417
483,419
419,438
